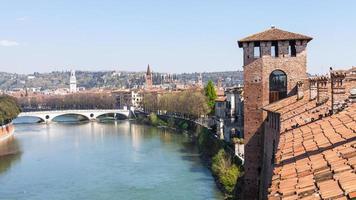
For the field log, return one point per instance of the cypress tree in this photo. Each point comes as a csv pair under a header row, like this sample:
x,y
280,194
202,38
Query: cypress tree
x,y
210,93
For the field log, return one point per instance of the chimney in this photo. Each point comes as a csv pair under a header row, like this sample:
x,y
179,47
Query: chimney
x,y
313,90
338,94
322,90
300,92
352,96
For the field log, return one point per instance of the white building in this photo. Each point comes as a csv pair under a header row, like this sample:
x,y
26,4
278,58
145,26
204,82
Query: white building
x,y
72,82
128,98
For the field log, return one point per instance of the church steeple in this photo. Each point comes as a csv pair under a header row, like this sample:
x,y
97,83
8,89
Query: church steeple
x,y
149,81
72,82
148,70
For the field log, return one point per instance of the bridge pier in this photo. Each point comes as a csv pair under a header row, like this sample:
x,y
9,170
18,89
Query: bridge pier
x,y
47,119
92,117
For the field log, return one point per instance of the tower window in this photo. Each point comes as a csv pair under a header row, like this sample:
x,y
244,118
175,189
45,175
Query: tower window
x,y
257,50
277,86
291,49
274,49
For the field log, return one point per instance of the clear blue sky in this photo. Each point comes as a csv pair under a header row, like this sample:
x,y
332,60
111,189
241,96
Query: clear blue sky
x,y
172,36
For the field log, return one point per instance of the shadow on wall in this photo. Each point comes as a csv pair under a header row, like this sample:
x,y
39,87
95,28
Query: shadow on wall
x,y
262,173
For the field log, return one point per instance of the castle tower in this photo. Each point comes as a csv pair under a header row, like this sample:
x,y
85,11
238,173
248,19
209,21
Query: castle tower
x,y
274,61
148,78
72,82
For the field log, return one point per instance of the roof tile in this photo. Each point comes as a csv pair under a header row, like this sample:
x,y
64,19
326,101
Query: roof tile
x,y
274,34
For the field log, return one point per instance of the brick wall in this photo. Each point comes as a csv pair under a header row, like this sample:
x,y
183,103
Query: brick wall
x,y
253,117
257,71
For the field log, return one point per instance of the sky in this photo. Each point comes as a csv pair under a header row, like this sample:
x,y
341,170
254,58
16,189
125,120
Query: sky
x,y
171,36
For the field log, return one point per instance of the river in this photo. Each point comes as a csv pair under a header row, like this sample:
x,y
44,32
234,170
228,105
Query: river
x,y
115,160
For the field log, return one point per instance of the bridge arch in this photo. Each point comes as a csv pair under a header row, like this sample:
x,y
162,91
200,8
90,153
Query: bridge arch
x,y
30,119
56,117
113,115
121,116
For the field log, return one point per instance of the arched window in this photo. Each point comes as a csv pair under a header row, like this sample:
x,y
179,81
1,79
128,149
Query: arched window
x,y
277,86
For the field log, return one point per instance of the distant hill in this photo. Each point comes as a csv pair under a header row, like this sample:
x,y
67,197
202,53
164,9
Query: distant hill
x,y
107,79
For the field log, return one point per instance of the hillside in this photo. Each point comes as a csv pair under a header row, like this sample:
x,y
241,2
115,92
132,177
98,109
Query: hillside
x,y
107,79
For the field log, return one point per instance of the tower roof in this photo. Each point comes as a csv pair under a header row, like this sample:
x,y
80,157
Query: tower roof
x,y
148,70
274,34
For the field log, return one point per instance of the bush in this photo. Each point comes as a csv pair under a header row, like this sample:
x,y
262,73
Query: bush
x,y
171,122
229,178
156,121
226,172
208,146
183,125
153,119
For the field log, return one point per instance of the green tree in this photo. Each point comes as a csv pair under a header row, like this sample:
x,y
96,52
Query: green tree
x,y
8,109
210,93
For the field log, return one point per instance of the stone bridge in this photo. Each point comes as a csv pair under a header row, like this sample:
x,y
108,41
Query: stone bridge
x,y
48,116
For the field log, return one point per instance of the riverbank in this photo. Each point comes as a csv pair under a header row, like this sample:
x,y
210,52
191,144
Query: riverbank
x,y
216,154
6,131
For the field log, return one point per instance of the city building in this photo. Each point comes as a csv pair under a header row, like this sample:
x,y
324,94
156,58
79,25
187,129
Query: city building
x,y
128,98
220,107
235,104
229,117
72,82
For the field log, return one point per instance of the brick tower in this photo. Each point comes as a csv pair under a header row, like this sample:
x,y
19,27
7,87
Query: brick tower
x,y
148,78
274,61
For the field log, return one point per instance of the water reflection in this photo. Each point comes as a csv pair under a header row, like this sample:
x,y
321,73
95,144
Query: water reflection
x,y
117,160
10,153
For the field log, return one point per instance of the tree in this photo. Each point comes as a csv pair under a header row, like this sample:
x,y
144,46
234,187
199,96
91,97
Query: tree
x,y
8,109
210,93
70,101
191,103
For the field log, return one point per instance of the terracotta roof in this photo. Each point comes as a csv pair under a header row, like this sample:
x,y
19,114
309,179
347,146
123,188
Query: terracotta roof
x,y
220,99
294,113
220,92
274,34
351,73
318,160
